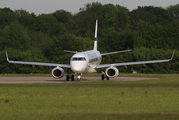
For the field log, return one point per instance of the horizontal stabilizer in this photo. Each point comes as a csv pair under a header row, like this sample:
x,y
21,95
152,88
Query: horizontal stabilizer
x,y
115,52
70,51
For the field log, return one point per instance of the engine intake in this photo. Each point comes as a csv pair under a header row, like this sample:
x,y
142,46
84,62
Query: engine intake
x,y
58,72
112,72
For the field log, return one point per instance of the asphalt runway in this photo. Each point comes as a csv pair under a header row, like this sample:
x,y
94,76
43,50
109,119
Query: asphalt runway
x,y
16,80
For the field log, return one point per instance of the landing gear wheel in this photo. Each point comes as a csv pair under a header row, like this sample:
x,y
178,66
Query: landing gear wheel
x,y
78,79
107,78
67,78
72,77
102,77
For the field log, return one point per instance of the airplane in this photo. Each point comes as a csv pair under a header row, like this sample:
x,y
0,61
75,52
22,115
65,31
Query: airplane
x,y
87,62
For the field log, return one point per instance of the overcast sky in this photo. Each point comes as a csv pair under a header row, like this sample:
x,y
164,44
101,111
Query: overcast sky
x,y
50,6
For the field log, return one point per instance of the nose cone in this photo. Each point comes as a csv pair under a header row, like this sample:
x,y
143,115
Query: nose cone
x,y
78,67
78,63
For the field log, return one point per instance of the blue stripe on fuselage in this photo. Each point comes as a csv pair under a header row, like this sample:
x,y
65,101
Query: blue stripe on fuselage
x,y
95,39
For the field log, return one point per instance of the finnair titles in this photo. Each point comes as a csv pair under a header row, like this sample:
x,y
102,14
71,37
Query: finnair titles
x,y
87,62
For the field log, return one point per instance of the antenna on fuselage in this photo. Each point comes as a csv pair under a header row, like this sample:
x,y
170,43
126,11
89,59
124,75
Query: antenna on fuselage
x,y
95,37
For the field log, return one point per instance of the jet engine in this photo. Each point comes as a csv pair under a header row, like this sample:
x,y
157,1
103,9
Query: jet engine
x,y
58,72
112,72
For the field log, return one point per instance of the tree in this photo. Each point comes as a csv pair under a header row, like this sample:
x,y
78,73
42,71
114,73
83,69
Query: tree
x,y
86,18
6,17
117,18
150,14
62,15
26,19
174,11
141,15
14,36
50,25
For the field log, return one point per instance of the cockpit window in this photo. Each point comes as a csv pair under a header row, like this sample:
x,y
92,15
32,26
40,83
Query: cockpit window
x,y
78,59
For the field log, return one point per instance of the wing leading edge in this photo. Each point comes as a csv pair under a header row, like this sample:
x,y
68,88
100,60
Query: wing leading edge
x,y
134,63
38,63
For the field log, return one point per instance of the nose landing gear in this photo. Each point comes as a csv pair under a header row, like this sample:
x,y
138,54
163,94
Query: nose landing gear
x,y
79,77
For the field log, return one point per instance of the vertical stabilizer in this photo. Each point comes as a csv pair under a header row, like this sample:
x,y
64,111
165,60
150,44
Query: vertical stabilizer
x,y
95,37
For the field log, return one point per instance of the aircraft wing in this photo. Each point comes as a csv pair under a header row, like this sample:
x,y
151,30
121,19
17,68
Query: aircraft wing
x,y
134,63
38,63
131,63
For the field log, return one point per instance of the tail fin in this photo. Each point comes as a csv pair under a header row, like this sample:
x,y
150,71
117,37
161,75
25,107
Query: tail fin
x,y
95,37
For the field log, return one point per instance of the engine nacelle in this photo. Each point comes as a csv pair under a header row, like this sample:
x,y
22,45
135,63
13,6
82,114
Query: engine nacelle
x,y
112,72
58,72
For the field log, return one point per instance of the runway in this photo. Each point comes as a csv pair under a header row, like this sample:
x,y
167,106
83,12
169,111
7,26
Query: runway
x,y
17,80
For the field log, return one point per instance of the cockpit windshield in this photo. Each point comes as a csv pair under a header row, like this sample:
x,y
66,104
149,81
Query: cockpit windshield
x,y
78,59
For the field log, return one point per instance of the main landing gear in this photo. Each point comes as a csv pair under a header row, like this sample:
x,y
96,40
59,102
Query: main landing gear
x,y
103,77
70,76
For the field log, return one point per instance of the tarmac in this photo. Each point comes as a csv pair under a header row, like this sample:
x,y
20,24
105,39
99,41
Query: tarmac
x,y
17,80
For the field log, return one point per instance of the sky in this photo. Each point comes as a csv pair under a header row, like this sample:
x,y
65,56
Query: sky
x,y
50,6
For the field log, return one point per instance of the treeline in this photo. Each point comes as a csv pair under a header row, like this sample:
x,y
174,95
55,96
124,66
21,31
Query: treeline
x,y
152,33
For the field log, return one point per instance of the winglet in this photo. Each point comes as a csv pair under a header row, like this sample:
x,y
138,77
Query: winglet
x,y
172,55
7,56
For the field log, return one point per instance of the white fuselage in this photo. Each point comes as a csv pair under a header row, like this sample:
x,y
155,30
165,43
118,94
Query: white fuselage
x,y
85,62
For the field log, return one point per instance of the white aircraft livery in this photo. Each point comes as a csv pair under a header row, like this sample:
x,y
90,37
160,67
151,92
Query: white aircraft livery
x,y
87,62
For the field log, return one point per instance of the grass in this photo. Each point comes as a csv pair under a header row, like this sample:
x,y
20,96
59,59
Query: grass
x,y
154,99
